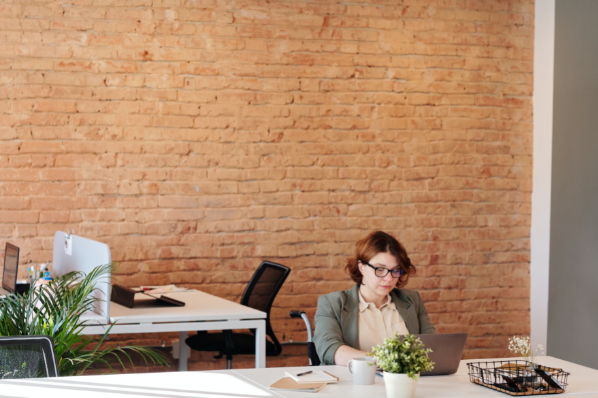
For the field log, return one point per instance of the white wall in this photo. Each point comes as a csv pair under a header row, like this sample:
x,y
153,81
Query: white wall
x,y
542,174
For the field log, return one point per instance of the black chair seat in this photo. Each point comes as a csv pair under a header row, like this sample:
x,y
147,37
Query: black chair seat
x,y
243,343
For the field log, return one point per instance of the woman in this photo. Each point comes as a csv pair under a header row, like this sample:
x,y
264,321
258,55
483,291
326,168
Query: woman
x,y
349,323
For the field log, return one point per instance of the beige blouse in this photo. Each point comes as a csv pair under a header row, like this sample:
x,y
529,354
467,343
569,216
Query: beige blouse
x,y
375,324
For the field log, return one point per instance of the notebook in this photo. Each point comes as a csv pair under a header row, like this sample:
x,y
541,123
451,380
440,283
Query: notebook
x,y
288,384
316,376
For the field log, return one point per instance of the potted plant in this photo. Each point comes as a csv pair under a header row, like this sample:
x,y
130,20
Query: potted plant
x,y
402,361
55,309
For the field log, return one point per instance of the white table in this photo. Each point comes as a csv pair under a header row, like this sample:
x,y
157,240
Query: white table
x,y
582,381
253,383
202,311
214,384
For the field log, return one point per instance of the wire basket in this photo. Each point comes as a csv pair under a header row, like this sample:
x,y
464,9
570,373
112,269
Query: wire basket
x,y
518,377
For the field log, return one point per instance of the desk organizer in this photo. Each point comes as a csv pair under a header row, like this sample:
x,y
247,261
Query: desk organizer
x,y
517,378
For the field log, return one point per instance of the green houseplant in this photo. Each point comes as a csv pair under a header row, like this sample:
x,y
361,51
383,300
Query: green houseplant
x,y
402,360
55,309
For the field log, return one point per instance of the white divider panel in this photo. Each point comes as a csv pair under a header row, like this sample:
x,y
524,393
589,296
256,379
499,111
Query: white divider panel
x,y
85,254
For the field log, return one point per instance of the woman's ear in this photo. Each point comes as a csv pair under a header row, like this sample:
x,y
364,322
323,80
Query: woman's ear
x,y
360,266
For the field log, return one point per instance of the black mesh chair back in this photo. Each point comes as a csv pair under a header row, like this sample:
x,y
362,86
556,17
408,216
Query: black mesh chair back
x,y
261,292
25,357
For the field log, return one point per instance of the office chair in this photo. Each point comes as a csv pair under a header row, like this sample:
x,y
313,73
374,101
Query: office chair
x,y
314,360
25,357
259,294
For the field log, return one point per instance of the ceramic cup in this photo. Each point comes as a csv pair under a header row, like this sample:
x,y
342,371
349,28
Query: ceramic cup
x,y
363,370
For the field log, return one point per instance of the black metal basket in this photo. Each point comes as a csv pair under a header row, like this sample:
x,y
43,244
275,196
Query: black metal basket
x,y
518,378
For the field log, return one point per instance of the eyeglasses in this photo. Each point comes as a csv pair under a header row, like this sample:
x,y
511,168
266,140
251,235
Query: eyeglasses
x,y
381,272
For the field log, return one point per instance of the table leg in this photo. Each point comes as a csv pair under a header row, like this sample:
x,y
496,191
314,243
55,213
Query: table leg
x,y
260,345
182,352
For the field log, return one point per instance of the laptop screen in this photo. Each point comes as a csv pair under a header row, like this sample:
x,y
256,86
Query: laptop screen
x,y
11,263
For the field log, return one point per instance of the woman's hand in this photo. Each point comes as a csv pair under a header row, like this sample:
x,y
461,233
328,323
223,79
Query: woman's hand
x,y
345,353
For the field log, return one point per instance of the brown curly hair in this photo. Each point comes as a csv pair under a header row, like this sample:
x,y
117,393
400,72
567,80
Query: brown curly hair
x,y
379,242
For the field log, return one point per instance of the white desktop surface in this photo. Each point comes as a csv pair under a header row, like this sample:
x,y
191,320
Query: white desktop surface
x,y
202,311
344,388
199,306
93,318
582,380
213,384
253,383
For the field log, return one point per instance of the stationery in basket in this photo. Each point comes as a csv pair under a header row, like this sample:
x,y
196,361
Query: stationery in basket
x,y
316,376
518,378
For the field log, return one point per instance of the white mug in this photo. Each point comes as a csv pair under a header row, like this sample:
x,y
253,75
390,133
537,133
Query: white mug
x,y
364,370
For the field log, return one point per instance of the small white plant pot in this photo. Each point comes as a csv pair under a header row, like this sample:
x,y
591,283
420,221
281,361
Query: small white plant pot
x,y
399,385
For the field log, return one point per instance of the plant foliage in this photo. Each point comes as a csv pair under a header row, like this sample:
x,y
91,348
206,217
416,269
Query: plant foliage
x,y
407,356
55,310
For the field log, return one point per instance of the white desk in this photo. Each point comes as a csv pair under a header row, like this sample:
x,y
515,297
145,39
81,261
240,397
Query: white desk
x,y
253,383
202,311
214,384
582,381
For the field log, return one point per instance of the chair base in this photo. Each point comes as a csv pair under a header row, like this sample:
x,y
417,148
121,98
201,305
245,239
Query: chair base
x,y
242,343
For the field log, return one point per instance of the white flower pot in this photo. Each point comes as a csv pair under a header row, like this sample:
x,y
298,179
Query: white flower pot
x,y
399,385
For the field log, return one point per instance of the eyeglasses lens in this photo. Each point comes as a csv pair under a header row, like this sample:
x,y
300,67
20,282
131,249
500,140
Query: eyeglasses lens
x,y
396,273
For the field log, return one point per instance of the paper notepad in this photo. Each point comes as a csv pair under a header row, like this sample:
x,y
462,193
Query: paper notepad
x,y
317,376
288,384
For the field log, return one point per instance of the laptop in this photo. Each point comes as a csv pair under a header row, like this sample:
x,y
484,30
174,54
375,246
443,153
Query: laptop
x,y
11,265
447,350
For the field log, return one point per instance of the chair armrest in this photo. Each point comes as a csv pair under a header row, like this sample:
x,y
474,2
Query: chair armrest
x,y
296,313
303,315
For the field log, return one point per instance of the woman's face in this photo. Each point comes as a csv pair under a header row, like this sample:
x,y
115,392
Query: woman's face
x,y
377,285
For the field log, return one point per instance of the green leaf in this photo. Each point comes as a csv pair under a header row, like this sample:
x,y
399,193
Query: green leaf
x,y
407,356
55,310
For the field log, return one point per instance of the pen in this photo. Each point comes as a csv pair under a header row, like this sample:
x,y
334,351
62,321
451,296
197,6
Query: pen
x,y
304,373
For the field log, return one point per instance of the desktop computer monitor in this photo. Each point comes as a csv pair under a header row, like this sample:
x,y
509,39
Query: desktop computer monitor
x,y
11,265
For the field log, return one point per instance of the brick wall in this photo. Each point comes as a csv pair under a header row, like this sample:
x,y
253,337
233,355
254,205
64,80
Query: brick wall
x,y
198,137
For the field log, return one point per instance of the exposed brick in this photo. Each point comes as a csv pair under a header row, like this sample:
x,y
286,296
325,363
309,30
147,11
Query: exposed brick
x,y
198,138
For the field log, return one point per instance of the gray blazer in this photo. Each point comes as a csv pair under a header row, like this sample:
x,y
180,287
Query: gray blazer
x,y
337,317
